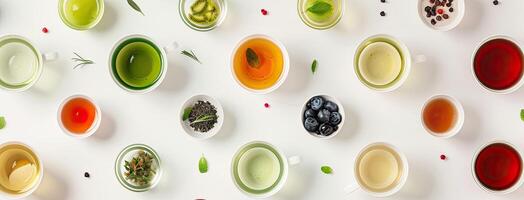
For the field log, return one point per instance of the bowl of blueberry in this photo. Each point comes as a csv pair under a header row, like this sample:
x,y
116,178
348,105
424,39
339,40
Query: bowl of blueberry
x,y
323,116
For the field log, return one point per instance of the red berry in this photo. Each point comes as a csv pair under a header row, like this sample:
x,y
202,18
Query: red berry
x,y
45,30
264,11
440,11
443,157
266,105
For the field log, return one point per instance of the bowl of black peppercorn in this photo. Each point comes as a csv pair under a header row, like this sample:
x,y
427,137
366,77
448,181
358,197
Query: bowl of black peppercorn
x,y
322,116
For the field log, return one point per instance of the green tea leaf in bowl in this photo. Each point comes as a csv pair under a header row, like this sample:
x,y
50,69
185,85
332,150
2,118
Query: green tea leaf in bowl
x,y
187,111
202,165
326,169
252,58
320,8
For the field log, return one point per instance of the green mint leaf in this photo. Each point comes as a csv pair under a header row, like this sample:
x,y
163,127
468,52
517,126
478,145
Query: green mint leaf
x,y
252,58
326,169
320,8
2,122
202,165
522,114
187,111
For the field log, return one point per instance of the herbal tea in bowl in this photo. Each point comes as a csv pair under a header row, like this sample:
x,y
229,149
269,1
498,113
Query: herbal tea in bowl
x,y
202,15
137,64
81,14
201,116
322,116
137,168
21,170
320,14
79,116
260,64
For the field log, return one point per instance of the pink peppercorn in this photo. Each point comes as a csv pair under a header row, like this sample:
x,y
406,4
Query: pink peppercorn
x,y
45,30
263,11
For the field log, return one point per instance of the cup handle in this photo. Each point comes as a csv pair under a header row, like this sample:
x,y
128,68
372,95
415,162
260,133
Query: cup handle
x,y
50,56
351,188
294,160
419,59
171,47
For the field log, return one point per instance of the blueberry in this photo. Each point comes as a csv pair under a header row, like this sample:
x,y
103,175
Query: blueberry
x,y
317,102
326,130
311,124
310,113
323,115
335,118
332,107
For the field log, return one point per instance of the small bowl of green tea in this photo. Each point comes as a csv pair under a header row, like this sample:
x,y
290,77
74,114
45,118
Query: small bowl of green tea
x,y
320,14
137,64
138,168
81,14
201,116
202,15
21,170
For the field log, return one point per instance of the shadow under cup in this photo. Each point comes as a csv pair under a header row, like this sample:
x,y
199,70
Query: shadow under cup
x,y
258,169
382,63
137,64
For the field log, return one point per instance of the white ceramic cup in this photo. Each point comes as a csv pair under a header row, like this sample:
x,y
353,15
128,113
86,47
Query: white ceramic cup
x,y
402,49
286,162
340,110
497,192
459,120
42,58
94,126
38,181
285,64
402,179
504,91
185,124
163,54
459,9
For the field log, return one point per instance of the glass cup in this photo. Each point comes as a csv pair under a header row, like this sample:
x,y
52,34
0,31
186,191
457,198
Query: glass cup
x,y
184,9
19,161
126,155
380,170
323,21
505,74
21,63
278,72
458,116
134,74
388,72
84,109
81,14
502,163
259,170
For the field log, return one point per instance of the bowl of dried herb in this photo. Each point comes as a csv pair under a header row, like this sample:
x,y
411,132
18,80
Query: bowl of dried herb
x,y
201,116
137,168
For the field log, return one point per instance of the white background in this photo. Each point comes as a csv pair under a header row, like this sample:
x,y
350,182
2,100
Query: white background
x,y
153,118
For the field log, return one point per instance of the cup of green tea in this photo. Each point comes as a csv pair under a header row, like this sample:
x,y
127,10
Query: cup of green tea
x,y
260,170
382,62
380,170
137,64
81,14
21,63
21,170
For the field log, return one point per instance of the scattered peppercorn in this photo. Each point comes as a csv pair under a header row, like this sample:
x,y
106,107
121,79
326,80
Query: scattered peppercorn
x,y
266,105
383,1
445,16
263,11
440,11
433,22
443,157
439,18
87,175
495,2
45,30
382,13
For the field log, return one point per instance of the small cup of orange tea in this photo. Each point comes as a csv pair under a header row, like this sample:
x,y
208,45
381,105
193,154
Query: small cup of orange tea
x,y
259,64
442,116
79,116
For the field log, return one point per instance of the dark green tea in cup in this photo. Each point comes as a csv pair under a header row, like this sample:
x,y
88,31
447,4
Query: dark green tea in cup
x,y
137,63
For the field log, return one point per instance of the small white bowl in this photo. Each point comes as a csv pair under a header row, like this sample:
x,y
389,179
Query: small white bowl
x,y
459,120
94,126
202,135
459,8
340,110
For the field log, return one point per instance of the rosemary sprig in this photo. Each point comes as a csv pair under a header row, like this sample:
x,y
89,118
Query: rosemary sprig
x,y
204,118
135,6
191,55
81,61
